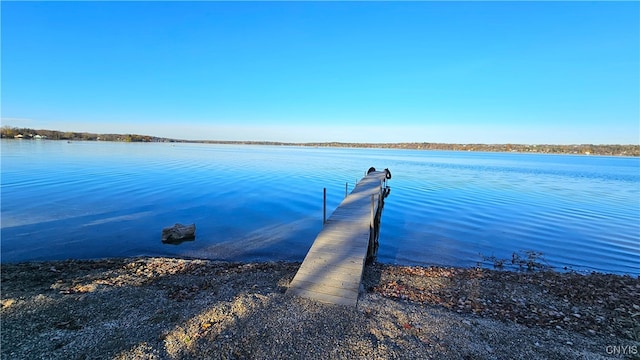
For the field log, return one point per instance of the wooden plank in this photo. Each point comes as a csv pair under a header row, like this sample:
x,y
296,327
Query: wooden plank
x,y
348,264
344,289
334,241
337,237
346,229
337,250
357,235
332,270
324,298
340,248
337,274
343,255
337,281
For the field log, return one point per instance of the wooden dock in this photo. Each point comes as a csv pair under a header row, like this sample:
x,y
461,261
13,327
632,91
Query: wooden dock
x,y
332,270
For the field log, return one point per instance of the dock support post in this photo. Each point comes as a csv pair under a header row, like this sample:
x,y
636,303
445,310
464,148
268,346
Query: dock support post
x,y
324,206
346,189
372,215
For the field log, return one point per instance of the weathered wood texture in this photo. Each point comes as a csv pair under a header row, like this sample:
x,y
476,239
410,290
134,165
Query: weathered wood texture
x,y
332,270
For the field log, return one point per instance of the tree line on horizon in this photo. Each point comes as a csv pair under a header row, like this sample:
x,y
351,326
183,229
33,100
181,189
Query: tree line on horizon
x,y
8,132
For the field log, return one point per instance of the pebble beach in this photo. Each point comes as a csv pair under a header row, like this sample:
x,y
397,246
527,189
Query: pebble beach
x,y
166,308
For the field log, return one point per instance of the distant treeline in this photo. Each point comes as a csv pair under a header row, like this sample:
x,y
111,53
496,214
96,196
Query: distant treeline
x,y
26,133
584,149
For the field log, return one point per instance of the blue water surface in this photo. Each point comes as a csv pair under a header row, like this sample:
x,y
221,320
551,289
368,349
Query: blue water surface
x,y
258,203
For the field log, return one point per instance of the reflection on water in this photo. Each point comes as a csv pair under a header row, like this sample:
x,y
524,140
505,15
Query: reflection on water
x,y
92,200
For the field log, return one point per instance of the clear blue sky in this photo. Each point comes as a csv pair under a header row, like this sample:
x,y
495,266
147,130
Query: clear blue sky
x,y
478,72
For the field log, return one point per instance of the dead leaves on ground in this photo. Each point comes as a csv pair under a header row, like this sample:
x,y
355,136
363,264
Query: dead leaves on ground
x,y
592,304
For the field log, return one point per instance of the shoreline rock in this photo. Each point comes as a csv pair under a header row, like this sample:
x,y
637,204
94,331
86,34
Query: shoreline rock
x,y
178,233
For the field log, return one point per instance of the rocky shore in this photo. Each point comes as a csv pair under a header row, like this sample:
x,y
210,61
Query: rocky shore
x,y
162,308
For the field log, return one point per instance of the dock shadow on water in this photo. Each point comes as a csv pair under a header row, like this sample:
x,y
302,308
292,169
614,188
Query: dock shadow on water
x,y
252,244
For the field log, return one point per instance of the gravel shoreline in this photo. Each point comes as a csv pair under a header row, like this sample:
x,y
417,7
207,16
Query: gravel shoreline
x,y
165,308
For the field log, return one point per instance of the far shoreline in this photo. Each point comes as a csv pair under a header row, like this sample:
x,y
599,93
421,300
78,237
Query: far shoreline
x,y
617,150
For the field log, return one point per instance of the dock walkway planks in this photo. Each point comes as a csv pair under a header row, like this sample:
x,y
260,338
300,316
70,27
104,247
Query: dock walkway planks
x,y
332,270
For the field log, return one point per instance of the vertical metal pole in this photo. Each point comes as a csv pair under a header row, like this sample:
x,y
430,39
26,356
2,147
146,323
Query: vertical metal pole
x,y
324,206
346,189
372,196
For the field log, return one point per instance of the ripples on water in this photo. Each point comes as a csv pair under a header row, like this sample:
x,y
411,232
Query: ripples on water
x,y
92,200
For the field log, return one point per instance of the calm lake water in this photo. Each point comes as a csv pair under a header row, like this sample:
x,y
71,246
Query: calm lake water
x,y
94,199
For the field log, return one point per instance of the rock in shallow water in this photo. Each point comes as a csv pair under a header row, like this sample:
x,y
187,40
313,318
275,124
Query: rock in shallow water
x,y
178,233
